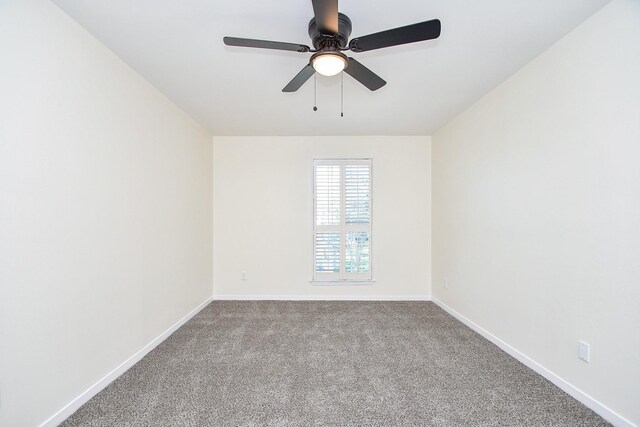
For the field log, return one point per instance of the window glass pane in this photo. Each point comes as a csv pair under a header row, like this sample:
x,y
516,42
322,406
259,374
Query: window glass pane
x,y
327,188
357,252
357,189
327,252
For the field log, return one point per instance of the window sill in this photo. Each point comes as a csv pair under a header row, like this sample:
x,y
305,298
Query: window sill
x,y
342,282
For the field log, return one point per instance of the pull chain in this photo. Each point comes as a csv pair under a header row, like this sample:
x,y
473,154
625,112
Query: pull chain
x,y
315,93
342,94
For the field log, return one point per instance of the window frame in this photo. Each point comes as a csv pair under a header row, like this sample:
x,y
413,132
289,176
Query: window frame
x,y
342,277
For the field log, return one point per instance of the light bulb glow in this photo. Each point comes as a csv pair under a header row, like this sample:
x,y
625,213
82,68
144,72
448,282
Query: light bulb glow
x,y
329,64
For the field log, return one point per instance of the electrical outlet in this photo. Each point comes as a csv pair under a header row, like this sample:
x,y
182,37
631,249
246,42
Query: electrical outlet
x,y
583,351
243,275
445,282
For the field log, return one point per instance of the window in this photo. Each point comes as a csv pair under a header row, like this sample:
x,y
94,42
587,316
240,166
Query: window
x,y
342,220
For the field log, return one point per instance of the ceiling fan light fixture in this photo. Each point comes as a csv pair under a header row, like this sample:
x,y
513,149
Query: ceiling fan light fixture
x,y
329,63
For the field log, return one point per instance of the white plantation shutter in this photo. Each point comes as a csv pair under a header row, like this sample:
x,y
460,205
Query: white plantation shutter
x,y
342,219
357,252
327,252
356,191
327,179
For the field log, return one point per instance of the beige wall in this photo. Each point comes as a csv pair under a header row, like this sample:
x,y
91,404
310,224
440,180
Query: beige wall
x,y
536,209
105,212
263,215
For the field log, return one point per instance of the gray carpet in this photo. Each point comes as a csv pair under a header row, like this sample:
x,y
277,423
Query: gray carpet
x,y
275,363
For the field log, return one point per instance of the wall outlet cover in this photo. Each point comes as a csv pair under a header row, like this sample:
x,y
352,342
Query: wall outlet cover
x,y
583,351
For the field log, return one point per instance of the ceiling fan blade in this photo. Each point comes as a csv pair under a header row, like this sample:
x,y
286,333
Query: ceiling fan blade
x,y
364,75
421,31
265,44
326,12
300,78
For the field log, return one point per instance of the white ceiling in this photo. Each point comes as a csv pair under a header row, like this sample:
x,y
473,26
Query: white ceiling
x,y
177,45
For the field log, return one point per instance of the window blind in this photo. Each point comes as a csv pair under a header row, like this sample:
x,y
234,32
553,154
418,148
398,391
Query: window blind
x,y
342,219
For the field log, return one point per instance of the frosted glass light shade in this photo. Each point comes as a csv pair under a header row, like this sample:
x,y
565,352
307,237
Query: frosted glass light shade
x,y
329,64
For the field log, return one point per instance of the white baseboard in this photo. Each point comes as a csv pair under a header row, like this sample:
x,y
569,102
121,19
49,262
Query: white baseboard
x,y
322,298
84,397
588,401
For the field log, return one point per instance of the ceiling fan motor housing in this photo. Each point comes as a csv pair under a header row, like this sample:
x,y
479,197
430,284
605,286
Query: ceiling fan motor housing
x,y
331,41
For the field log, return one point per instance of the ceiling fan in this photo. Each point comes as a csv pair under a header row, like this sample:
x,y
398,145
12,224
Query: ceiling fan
x,y
329,31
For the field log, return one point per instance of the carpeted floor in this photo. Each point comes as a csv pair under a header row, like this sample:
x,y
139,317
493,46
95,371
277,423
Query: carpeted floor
x,y
332,363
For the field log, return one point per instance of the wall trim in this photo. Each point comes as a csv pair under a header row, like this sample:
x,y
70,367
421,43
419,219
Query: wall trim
x,y
84,397
322,297
582,397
